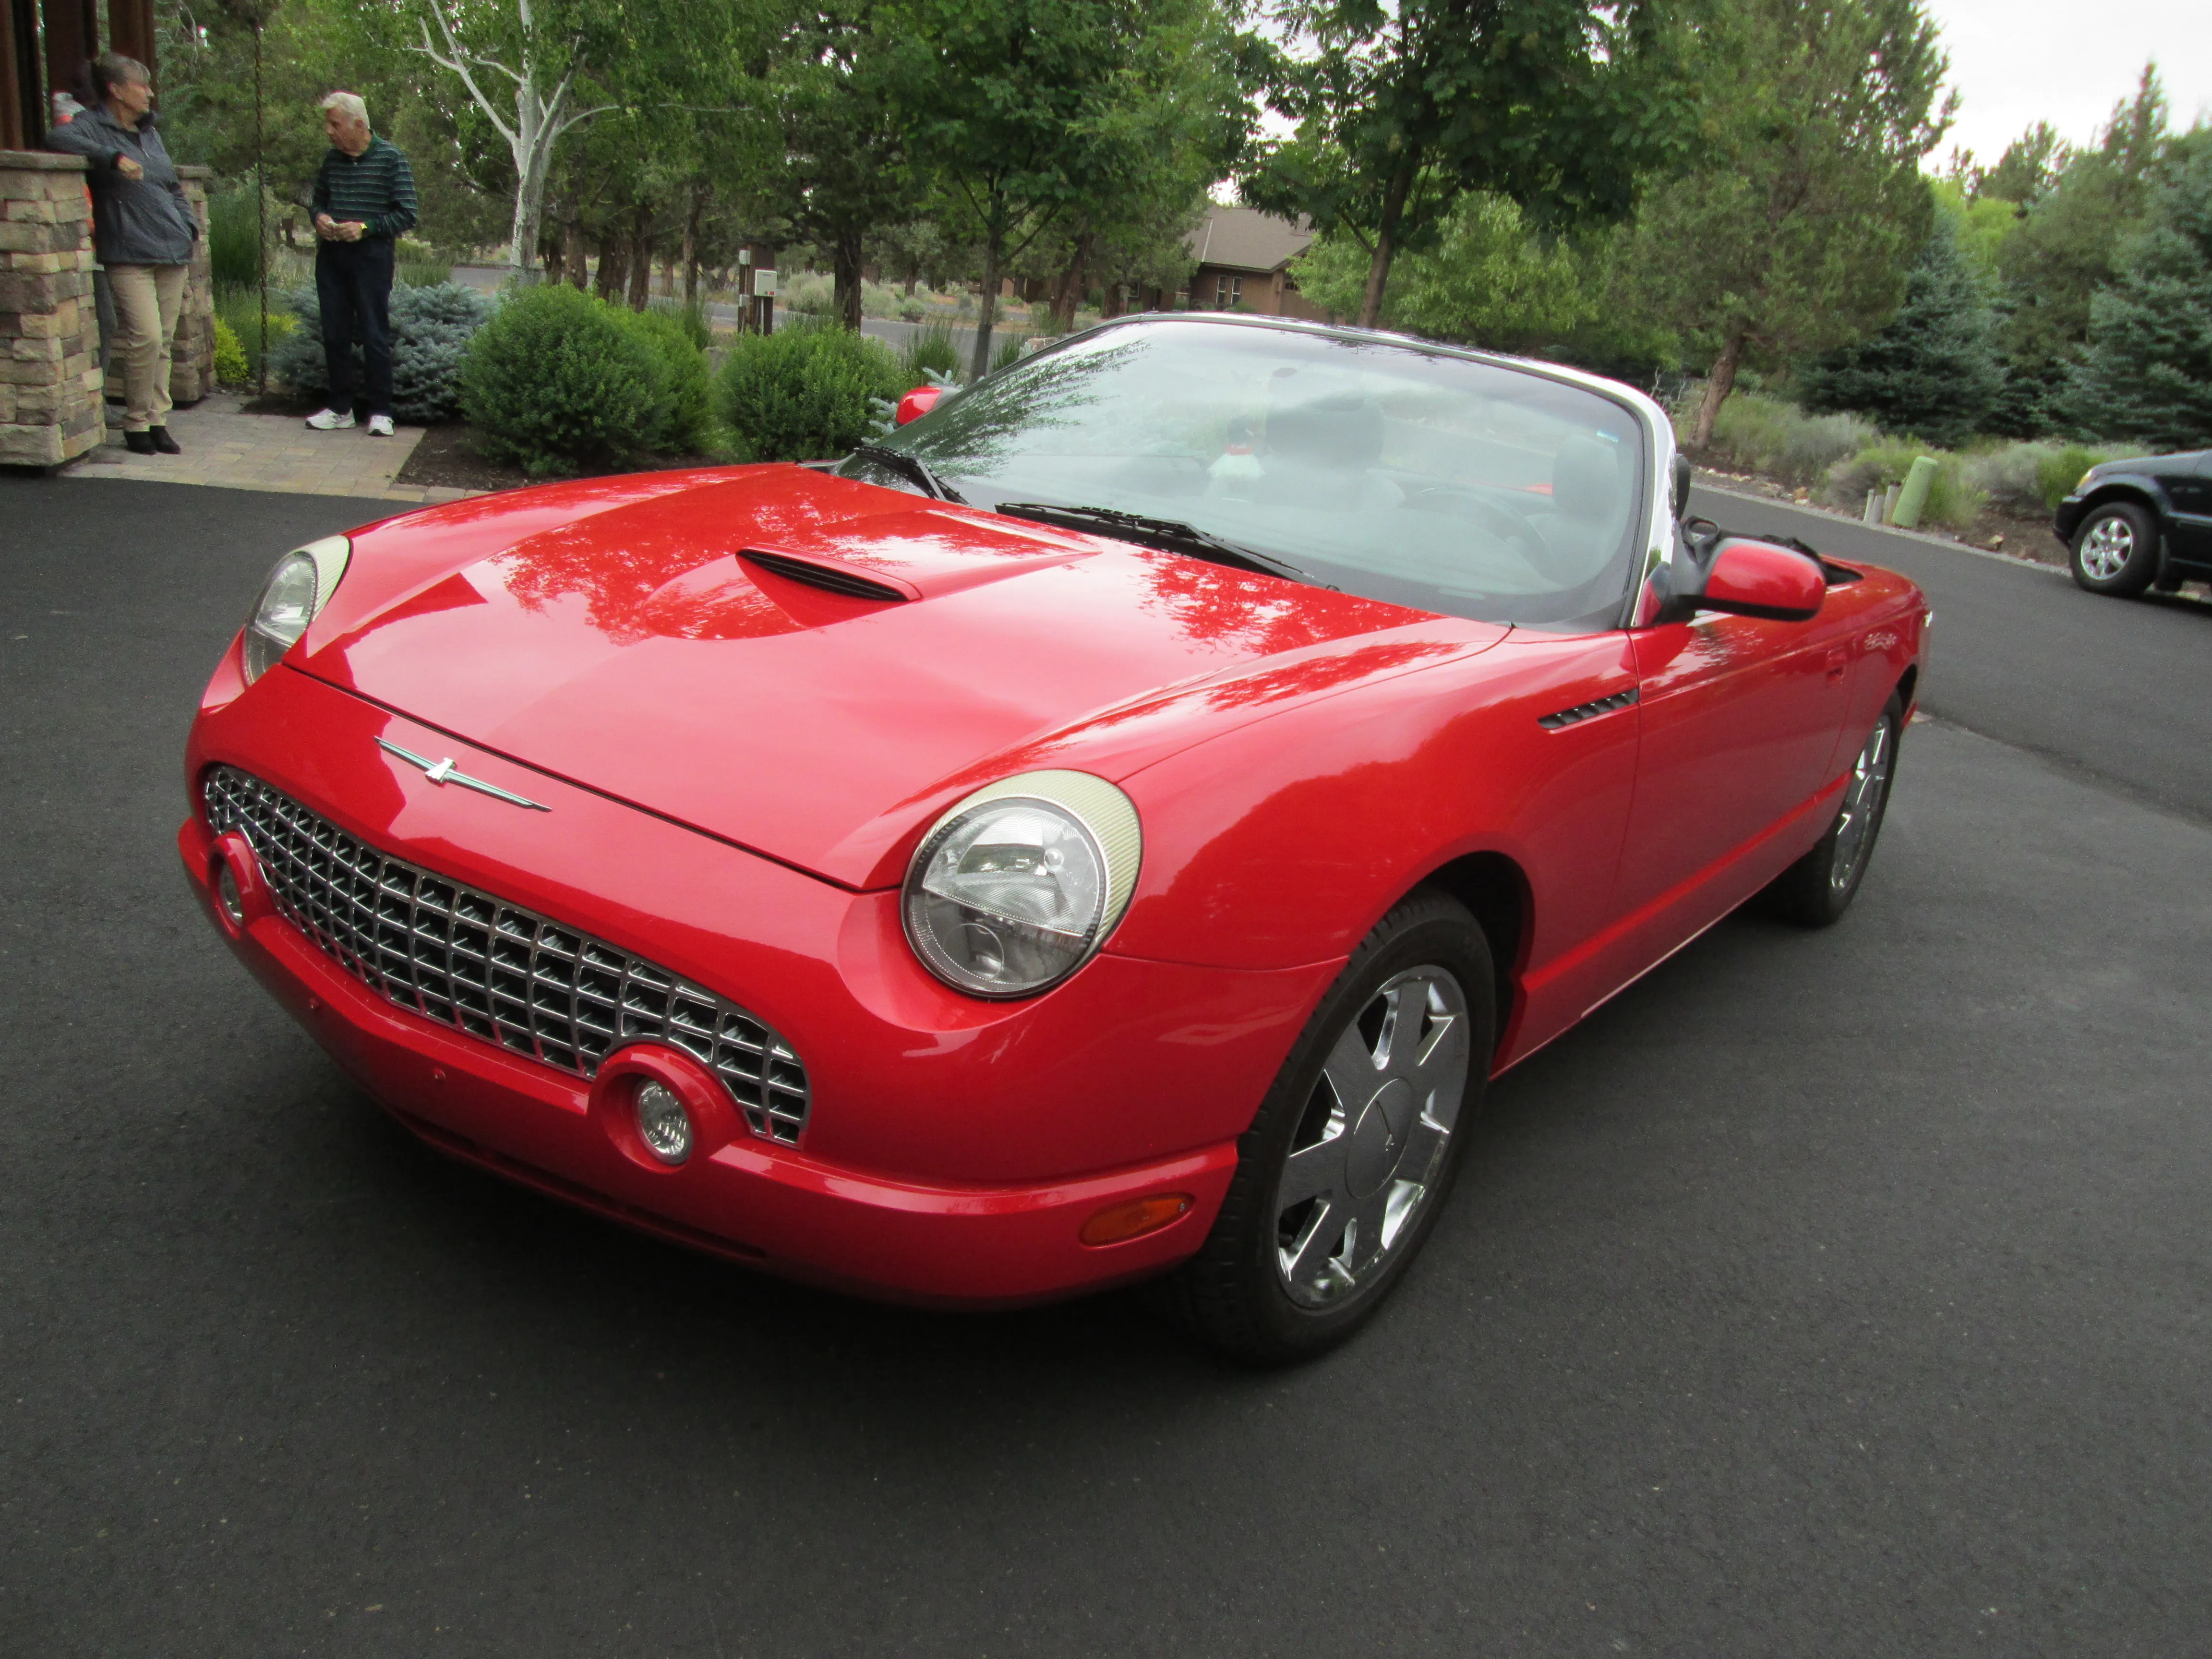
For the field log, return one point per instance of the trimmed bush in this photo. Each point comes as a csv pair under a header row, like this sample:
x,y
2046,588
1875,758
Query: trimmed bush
x,y
680,420
802,394
231,368
2033,478
558,380
431,328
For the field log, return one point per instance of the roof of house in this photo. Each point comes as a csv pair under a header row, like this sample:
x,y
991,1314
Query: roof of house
x,y
1245,239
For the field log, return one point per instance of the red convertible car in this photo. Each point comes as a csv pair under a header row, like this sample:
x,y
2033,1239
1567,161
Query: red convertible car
x,y
1111,827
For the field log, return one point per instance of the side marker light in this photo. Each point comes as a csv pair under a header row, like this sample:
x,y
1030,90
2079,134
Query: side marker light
x,y
1121,1222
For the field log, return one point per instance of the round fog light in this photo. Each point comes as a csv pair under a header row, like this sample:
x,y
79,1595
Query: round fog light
x,y
227,895
662,1123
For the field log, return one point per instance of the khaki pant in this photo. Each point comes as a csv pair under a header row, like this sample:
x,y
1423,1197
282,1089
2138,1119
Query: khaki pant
x,y
147,300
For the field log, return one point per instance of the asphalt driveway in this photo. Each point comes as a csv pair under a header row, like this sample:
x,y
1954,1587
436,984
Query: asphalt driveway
x,y
1826,1294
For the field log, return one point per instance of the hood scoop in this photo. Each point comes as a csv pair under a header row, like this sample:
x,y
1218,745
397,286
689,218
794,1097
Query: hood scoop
x,y
829,576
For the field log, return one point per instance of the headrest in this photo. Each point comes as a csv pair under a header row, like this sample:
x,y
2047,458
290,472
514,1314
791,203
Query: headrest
x,y
1341,429
1586,481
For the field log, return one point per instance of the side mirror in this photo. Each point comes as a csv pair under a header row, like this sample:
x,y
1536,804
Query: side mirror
x,y
1682,476
1753,578
917,403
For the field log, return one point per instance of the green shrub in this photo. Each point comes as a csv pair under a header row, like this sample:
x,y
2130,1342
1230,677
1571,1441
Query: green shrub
x,y
930,352
2031,478
679,421
691,315
558,381
806,293
1009,352
231,368
234,238
424,273
1759,434
1953,499
802,393
238,308
431,328
2058,473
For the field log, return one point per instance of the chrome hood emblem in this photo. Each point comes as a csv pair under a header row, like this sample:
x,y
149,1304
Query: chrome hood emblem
x,y
442,772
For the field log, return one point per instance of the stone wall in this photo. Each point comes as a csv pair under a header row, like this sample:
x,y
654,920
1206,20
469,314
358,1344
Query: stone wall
x,y
50,407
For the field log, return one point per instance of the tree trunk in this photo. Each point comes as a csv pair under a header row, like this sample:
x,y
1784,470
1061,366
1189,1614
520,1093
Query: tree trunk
x,y
557,262
913,280
641,257
614,265
575,257
987,308
1718,385
691,246
1068,292
1386,240
845,272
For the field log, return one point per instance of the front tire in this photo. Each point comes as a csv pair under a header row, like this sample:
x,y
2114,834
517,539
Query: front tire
x,y
2115,550
1348,1162
1816,891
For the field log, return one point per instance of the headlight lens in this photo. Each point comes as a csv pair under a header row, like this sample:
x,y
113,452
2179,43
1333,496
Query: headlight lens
x,y
296,591
2082,484
1014,889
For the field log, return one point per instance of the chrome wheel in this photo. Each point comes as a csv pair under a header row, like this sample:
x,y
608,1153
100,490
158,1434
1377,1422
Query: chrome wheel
x,y
1373,1138
1862,803
2107,548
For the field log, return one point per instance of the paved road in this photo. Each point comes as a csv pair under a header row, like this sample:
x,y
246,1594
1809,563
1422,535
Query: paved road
x,y
2115,690
1835,1294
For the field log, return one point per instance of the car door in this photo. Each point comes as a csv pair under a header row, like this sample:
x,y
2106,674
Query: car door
x,y
2187,481
1740,722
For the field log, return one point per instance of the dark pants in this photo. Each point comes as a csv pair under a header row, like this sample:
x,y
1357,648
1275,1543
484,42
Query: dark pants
x,y
353,287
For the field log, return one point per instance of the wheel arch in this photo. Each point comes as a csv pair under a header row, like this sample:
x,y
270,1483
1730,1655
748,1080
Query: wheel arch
x,y
1496,890
2127,491
1908,686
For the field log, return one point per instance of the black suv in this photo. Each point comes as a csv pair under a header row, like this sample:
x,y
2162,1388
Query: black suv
x,y
2142,523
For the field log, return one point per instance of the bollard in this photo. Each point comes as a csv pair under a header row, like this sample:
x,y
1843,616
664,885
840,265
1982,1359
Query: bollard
x,y
1889,502
1906,514
1874,506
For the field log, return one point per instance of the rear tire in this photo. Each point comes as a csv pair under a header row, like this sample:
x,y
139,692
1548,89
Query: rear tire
x,y
1351,1155
2115,550
1816,891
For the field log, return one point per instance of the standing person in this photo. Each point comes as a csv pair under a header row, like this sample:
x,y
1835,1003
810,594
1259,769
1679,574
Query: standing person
x,y
143,230
364,198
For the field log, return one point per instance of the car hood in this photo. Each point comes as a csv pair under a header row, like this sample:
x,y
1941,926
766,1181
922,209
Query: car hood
x,y
812,667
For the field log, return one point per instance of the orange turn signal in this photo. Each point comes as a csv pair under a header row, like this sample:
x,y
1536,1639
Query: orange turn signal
x,y
1133,1219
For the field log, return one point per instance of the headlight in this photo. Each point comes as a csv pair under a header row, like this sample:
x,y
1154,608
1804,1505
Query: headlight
x,y
1014,889
297,589
2084,482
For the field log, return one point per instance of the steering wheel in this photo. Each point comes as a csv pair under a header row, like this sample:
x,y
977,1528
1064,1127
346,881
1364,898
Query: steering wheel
x,y
1510,522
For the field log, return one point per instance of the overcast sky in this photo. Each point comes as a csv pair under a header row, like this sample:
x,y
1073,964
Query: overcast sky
x,y
2018,61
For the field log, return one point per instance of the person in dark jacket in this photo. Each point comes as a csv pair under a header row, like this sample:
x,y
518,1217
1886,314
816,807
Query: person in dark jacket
x,y
364,198
143,230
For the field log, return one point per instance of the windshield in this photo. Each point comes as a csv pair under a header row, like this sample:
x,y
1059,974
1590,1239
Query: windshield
x,y
1464,487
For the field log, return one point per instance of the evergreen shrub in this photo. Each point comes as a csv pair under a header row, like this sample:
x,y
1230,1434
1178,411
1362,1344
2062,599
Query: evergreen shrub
x,y
1953,499
930,352
2031,478
2148,376
431,328
558,381
680,417
1764,435
802,393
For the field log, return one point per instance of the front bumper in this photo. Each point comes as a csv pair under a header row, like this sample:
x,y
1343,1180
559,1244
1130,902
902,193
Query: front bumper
x,y
2067,516
954,1150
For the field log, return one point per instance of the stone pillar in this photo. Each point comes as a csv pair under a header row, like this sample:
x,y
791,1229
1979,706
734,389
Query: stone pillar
x,y
49,339
191,351
191,355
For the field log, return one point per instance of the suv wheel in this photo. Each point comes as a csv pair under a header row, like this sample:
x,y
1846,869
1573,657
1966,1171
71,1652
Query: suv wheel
x,y
2115,550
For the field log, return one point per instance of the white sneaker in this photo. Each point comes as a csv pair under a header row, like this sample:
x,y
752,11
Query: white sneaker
x,y
329,420
380,426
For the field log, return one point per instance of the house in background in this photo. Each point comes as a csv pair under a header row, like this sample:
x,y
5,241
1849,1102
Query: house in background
x,y
1241,262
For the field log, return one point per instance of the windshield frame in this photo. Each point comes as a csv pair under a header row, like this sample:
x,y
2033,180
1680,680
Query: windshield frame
x,y
1654,515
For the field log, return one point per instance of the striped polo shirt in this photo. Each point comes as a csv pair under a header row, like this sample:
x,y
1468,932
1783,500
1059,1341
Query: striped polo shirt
x,y
376,187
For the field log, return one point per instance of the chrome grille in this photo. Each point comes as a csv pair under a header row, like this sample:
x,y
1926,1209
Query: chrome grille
x,y
494,970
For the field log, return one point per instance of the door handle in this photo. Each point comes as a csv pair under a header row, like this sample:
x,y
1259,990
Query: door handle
x,y
1840,659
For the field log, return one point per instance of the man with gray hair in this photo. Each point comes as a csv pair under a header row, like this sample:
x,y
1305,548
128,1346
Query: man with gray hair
x,y
364,198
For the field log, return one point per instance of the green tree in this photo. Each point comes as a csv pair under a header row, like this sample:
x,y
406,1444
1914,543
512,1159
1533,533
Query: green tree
x,y
1021,111
1557,104
2149,371
1794,235
2029,167
1933,371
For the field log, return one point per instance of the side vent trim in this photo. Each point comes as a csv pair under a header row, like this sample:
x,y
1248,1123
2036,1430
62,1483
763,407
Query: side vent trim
x,y
829,577
1585,711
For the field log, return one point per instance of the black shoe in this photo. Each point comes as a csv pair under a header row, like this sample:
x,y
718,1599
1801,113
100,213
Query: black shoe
x,y
163,442
138,443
